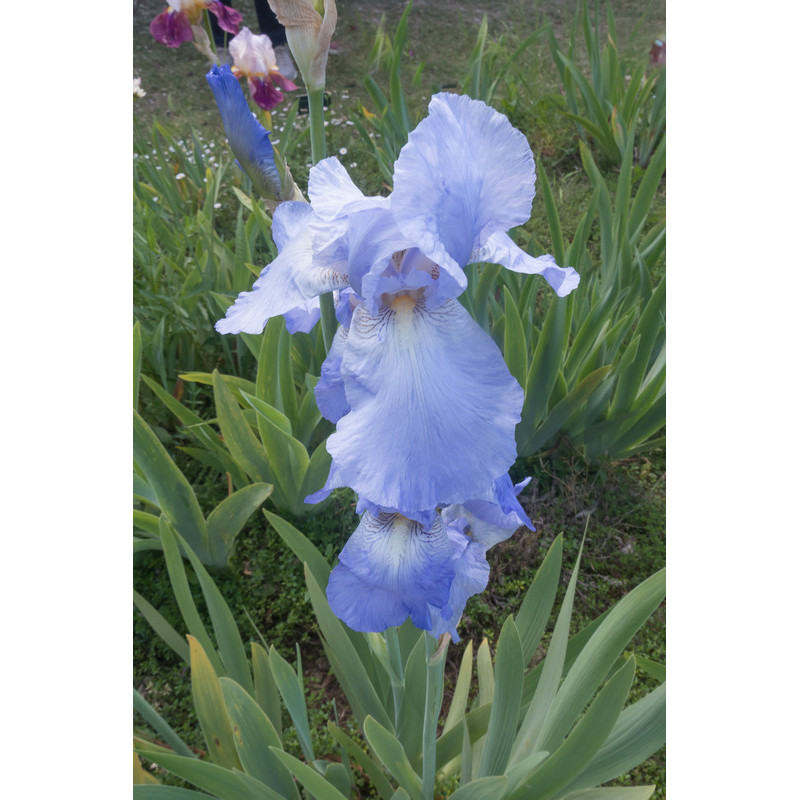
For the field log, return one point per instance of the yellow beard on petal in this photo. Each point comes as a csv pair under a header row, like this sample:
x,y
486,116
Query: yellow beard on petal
x,y
404,306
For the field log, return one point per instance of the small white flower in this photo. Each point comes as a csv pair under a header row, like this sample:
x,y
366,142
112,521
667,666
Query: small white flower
x,y
217,205
342,151
179,177
137,88
353,164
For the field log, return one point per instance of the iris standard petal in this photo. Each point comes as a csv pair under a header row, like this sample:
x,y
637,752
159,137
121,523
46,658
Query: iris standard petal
x,y
248,139
471,577
500,249
332,191
391,568
465,171
252,53
433,408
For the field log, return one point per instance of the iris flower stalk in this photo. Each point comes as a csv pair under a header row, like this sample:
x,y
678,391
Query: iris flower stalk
x,y
424,405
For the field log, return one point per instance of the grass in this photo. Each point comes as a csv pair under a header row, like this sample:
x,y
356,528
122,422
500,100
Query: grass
x,y
624,502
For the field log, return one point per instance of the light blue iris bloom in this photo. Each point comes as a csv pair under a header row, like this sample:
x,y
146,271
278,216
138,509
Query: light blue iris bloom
x,y
394,567
424,405
248,139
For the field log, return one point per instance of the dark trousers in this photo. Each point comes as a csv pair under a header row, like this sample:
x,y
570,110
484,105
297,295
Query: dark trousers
x,y
267,21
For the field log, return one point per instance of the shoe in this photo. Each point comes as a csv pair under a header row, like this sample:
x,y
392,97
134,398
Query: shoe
x,y
283,58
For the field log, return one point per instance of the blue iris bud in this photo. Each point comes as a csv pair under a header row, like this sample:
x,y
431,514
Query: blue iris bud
x,y
248,139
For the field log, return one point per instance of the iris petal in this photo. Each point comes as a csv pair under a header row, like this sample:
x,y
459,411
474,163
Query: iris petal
x,y
465,172
471,577
171,28
433,408
228,18
289,282
264,92
302,319
329,391
391,568
248,139
333,193
500,249
494,516
372,240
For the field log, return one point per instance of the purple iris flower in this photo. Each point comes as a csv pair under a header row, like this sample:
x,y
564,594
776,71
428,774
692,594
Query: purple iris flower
x,y
173,26
424,405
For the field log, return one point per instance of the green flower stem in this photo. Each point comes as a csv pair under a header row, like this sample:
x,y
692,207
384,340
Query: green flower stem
x,y
210,32
316,121
434,691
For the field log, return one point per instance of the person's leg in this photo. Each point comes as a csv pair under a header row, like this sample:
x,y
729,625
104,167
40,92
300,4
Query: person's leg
x,y
269,24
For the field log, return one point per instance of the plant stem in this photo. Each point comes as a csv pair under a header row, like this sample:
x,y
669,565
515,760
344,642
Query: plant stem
x,y
209,30
316,122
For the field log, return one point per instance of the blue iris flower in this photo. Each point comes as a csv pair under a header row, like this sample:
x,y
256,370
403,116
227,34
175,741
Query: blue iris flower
x,y
424,405
248,139
394,567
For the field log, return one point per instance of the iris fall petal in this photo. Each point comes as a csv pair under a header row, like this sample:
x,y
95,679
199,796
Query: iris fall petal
x,y
471,576
433,408
391,568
